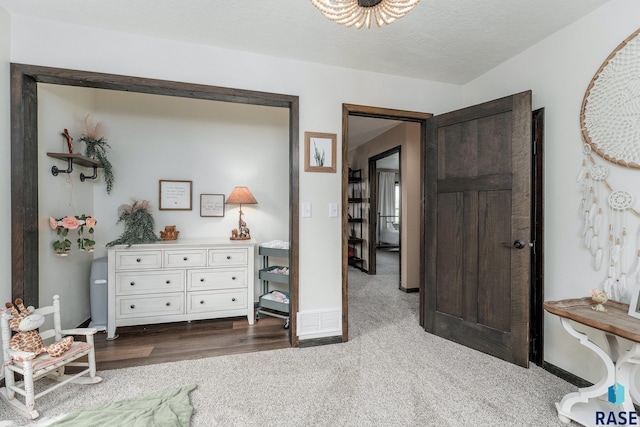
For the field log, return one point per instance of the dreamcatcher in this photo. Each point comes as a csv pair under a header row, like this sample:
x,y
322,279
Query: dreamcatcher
x,y
610,123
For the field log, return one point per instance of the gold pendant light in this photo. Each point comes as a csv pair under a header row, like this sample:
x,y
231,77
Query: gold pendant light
x,y
360,13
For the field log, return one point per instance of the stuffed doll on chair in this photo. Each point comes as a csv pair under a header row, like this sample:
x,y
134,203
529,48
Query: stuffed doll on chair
x,y
25,322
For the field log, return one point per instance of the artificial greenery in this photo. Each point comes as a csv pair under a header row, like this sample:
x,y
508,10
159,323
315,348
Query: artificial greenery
x,y
138,225
97,147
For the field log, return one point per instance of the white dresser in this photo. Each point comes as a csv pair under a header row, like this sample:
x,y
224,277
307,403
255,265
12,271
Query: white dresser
x,y
173,281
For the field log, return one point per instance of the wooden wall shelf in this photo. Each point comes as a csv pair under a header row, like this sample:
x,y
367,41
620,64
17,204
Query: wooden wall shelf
x,y
78,159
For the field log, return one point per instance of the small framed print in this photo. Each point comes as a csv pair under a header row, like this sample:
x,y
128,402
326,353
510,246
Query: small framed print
x,y
175,195
319,152
212,205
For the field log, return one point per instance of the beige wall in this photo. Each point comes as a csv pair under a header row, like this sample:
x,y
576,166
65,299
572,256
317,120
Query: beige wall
x,y
406,135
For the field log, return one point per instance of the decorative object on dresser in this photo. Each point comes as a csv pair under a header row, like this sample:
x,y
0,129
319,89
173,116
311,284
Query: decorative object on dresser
x,y
175,195
139,224
319,152
169,233
33,365
97,148
241,195
179,281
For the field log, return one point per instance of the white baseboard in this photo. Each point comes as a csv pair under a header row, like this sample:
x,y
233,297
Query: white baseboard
x,y
319,323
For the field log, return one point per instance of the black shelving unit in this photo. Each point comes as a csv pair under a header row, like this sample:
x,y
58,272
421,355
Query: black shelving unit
x,y
356,212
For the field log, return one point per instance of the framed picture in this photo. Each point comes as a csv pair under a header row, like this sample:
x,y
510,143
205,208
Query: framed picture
x,y
212,205
175,195
634,304
319,152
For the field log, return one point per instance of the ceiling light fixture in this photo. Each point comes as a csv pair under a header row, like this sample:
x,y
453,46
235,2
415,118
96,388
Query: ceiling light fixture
x,y
360,13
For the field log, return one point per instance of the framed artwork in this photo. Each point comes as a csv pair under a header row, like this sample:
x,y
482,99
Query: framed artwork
x,y
634,304
175,195
212,205
319,152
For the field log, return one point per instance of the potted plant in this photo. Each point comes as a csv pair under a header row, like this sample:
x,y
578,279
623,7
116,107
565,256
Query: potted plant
x,y
97,148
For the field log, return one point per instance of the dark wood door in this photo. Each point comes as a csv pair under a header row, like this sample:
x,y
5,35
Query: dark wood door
x,y
477,184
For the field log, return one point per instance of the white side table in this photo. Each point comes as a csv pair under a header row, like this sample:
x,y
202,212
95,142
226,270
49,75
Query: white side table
x,y
590,406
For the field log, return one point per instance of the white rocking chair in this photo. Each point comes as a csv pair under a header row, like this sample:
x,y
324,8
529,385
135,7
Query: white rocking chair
x,y
33,367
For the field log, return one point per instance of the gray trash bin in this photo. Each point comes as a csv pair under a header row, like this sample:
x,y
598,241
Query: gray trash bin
x,y
98,292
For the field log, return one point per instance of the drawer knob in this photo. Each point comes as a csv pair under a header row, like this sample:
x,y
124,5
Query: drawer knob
x,y
185,259
233,278
132,283
228,256
168,282
233,299
132,306
138,259
201,301
202,279
168,304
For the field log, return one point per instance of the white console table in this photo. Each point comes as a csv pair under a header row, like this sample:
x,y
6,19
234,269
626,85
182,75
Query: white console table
x,y
182,280
621,364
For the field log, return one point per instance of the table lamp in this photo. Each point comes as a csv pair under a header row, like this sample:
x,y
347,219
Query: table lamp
x,y
241,195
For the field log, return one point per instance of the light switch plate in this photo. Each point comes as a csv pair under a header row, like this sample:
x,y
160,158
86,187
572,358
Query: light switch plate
x,y
306,210
333,210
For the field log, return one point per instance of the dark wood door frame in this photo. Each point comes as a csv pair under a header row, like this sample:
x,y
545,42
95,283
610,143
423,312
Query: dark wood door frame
x,y
379,113
536,334
373,208
24,158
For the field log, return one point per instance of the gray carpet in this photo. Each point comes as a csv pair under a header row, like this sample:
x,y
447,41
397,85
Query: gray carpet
x,y
390,373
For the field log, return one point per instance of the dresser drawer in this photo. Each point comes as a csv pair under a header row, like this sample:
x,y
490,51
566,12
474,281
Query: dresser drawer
x,y
185,258
222,257
233,299
150,305
218,278
136,260
150,282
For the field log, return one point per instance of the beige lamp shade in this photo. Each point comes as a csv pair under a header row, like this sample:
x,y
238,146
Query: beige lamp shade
x,y
241,195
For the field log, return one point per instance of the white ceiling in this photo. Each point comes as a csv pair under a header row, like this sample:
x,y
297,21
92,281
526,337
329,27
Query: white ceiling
x,y
451,41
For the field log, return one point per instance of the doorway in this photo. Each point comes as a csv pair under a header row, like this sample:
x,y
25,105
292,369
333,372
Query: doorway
x,y
385,214
418,122
24,159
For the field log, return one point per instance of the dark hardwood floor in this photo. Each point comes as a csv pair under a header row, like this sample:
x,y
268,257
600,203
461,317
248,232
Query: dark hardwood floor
x,y
168,342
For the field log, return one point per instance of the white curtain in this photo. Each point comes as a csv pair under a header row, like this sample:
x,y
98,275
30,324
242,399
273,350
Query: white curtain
x,y
386,198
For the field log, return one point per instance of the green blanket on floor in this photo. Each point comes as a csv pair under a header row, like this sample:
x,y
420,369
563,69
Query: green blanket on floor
x,y
164,408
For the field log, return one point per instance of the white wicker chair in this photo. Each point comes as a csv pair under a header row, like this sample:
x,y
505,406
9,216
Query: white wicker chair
x,y
32,367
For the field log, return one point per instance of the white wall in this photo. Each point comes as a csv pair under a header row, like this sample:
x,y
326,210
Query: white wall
x,y
5,157
61,196
558,71
322,90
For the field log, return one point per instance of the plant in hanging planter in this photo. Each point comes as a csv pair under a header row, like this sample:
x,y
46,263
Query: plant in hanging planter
x,y
86,243
97,148
138,224
62,246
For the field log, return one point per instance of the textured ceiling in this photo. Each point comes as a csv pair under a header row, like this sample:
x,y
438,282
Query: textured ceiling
x,y
451,41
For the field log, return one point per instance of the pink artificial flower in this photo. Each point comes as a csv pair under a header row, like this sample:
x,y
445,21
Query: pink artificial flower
x,y
90,222
53,223
70,222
